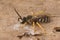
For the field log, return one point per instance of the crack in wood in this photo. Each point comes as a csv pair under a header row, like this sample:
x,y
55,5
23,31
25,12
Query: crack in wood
x,y
57,29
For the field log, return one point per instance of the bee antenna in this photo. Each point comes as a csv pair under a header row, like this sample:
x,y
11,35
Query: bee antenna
x,y
18,13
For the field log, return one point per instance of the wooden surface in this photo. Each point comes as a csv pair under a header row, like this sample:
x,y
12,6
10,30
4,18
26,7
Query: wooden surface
x,y
8,17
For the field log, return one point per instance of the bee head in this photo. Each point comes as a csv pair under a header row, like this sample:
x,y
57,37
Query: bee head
x,y
23,20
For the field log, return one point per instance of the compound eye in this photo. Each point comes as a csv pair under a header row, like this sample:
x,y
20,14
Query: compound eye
x,y
24,18
29,17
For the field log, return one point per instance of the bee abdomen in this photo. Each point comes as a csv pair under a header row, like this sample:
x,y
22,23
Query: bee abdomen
x,y
44,19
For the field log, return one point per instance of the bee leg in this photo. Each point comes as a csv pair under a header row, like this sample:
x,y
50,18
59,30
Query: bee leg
x,y
41,27
34,26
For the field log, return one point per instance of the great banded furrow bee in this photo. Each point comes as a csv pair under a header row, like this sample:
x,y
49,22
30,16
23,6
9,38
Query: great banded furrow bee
x,y
40,19
34,20
30,18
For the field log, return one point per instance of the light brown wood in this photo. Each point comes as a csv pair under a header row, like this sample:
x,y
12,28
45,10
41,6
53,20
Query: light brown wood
x,y
8,18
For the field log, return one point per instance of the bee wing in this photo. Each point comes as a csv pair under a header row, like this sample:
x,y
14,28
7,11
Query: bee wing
x,y
38,13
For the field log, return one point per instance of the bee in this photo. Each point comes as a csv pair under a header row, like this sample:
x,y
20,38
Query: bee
x,y
34,20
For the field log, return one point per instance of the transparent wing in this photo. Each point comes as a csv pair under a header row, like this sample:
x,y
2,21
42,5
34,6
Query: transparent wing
x,y
38,13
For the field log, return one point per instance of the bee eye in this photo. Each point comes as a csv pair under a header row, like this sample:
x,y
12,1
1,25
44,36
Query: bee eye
x,y
28,17
24,18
